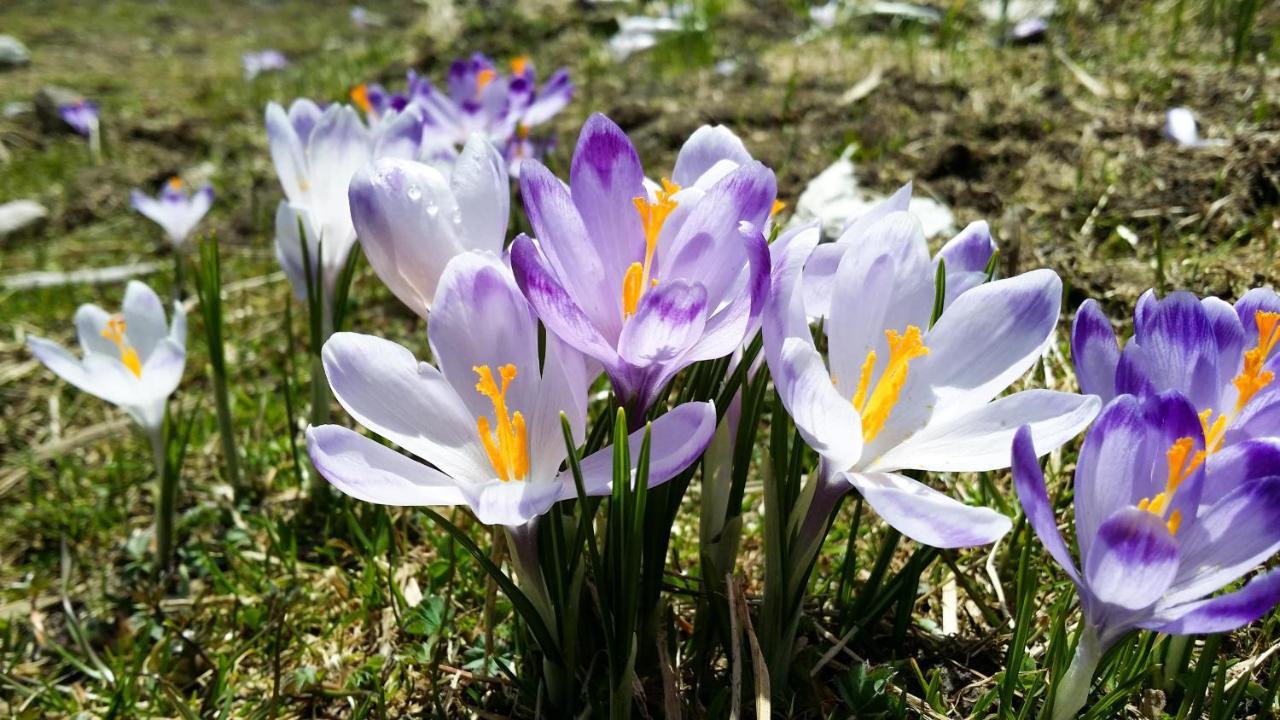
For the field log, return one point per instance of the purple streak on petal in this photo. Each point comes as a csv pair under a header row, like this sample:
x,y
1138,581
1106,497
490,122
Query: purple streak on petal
x,y
550,99
1260,418
553,304
1225,612
707,146
668,320
303,116
712,231
582,263
1228,540
1028,480
605,178
970,250
677,439
1237,464
1229,336
1181,348
1116,452
1094,351
1133,371
1134,560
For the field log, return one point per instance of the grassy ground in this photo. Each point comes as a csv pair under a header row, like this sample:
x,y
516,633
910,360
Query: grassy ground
x,y
359,612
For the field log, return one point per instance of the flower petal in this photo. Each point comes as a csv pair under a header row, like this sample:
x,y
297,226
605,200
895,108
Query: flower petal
x,y
1235,465
979,440
483,194
1181,348
288,153
707,146
372,472
825,418
1094,351
861,298
590,272
411,404
404,213
1133,561
1113,469
114,386
668,321
1223,613
677,439
926,515
479,318
553,304
1028,481
145,324
1228,540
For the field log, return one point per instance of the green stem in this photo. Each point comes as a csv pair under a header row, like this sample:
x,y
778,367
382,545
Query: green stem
x,y
166,501
225,429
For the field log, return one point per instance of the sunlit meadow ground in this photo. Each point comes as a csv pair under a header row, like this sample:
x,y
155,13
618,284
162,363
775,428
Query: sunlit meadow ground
x,y
283,612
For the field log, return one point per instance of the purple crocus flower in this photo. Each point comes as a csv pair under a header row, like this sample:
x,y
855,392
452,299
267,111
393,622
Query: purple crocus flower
x,y
487,416
260,61
81,116
315,154
478,99
174,209
647,280
1223,359
1155,543
896,393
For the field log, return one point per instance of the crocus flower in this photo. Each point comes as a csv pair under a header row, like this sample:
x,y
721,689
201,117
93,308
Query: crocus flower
x,y
486,417
260,61
412,220
81,116
1154,545
647,281
315,155
479,99
1223,359
133,359
175,210
895,393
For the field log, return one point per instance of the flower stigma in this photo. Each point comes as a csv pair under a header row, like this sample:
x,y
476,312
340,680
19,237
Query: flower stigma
x,y
114,331
874,405
652,216
508,448
1181,464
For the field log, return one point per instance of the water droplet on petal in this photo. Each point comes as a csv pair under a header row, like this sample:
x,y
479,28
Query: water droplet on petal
x,y
414,192
457,216
432,209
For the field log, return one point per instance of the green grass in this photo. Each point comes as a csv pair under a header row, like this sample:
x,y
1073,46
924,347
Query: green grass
x,y
279,610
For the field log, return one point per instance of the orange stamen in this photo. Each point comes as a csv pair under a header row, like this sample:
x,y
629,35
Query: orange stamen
x,y
114,331
778,206
360,96
652,217
1181,465
875,405
175,183
508,447
519,64
483,78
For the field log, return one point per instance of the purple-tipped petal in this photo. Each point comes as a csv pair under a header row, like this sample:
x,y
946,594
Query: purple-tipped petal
x,y
1223,613
1228,540
926,515
553,304
550,99
668,321
1028,481
1094,351
1237,464
369,471
1133,561
1115,454
1181,348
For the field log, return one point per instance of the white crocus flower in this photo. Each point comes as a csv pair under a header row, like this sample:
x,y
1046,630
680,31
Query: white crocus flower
x,y
133,359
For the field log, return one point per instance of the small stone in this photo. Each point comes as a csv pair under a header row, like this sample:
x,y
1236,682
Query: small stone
x,y
19,214
12,52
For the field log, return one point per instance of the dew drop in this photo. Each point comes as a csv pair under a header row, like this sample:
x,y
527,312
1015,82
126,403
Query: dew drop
x,y
433,209
414,192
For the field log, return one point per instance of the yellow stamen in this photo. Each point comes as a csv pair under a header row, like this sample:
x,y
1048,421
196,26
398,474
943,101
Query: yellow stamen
x,y
483,78
778,206
508,448
114,331
522,131
875,407
519,64
652,216
175,183
360,96
1181,464
1253,377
